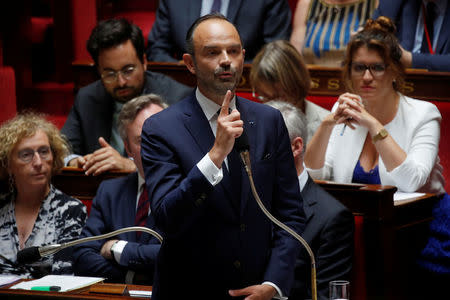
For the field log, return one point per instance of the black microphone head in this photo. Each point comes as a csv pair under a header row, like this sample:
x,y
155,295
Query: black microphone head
x,y
241,143
28,255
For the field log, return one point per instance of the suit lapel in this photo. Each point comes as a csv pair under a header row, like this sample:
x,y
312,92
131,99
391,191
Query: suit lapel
x,y
444,34
200,130
409,30
248,117
129,204
309,198
233,9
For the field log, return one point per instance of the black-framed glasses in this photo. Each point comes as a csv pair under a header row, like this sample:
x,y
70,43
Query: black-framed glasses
x,y
376,70
111,76
27,155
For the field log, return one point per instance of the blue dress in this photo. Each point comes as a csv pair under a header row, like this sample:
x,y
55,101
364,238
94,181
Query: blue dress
x,y
328,29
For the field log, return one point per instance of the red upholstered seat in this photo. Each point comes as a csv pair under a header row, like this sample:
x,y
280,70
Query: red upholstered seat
x,y
444,143
7,93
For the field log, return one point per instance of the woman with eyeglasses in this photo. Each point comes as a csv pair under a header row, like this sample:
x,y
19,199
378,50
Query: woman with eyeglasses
x,y
279,73
375,134
32,211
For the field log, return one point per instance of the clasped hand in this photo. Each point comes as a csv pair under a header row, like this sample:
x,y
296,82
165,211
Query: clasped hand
x,y
351,111
104,159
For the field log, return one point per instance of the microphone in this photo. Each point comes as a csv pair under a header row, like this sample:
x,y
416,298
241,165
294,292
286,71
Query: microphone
x,y
243,147
32,254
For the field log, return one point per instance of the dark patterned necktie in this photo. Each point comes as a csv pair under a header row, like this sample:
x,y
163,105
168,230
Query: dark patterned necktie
x,y
430,16
215,8
142,210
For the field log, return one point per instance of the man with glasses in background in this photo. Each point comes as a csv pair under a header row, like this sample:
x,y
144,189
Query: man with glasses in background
x,y
117,48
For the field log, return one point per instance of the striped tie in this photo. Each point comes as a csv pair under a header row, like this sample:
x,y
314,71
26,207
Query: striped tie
x,y
142,209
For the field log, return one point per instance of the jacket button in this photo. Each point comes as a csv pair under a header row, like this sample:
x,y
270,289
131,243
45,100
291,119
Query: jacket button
x,y
237,264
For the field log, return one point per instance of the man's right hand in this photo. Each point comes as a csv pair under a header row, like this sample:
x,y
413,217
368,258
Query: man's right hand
x,y
229,127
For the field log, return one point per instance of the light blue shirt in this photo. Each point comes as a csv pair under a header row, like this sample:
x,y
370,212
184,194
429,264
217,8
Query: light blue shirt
x,y
207,5
441,6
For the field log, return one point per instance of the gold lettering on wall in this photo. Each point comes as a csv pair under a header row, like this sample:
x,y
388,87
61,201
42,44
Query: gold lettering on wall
x,y
333,84
408,87
315,82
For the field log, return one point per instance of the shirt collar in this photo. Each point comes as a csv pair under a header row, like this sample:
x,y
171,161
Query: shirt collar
x,y
303,178
141,181
208,106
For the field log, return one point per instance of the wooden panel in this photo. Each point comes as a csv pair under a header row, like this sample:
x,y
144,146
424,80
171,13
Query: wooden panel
x,y
326,81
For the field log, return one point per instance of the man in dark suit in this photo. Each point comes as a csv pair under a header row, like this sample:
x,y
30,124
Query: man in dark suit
x,y
258,22
329,224
117,48
410,17
119,203
217,242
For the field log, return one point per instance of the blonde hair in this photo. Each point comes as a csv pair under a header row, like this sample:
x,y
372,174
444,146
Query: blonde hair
x,y
26,125
377,35
280,63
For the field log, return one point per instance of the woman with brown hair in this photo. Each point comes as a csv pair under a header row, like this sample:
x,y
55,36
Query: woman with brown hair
x,y
33,212
279,73
375,134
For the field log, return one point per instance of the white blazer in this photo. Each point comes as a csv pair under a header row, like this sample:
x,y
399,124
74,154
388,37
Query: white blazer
x,y
415,128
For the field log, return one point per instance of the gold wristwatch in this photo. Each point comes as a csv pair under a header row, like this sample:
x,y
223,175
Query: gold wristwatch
x,y
382,134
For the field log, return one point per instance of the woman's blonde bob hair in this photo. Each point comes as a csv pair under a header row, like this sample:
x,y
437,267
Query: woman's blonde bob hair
x,y
26,125
280,63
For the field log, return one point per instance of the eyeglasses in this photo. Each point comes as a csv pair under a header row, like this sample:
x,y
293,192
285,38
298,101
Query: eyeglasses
x,y
27,155
111,76
376,70
263,98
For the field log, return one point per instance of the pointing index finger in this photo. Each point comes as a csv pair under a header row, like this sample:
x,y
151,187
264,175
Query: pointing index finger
x,y
226,103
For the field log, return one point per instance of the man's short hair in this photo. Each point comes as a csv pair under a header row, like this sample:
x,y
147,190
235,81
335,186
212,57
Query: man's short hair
x,y
294,119
113,32
190,32
133,107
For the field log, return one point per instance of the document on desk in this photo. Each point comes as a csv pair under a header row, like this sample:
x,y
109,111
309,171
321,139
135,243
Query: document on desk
x,y
8,279
405,196
65,282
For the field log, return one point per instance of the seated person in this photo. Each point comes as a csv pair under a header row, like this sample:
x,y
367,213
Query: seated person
x,y
329,224
423,31
390,139
322,28
278,72
117,48
258,21
123,202
32,211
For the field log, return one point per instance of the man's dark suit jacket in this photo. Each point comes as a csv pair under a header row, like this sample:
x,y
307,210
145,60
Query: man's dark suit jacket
x,y
405,14
257,21
114,207
215,241
92,113
329,232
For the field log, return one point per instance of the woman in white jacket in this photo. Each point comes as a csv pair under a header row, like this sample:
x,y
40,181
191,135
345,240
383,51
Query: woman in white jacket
x,y
375,134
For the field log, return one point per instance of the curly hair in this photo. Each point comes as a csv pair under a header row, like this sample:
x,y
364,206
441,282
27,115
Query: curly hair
x,y
26,125
377,35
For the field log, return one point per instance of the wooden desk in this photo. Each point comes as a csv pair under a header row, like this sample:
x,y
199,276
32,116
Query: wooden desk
x,y
6,293
393,234
326,81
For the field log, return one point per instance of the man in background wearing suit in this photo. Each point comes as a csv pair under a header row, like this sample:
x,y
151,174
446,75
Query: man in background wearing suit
x,y
217,242
329,224
117,48
423,30
258,22
119,203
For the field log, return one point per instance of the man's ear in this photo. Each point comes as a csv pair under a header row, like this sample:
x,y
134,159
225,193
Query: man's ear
x,y
144,61
297,146
243,53
189,62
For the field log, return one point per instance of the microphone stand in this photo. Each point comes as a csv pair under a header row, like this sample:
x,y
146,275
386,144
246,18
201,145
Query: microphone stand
x,y
52,249
245,157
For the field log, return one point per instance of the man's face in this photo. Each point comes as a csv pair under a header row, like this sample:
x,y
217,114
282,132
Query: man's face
x,y
134,130
122,72
218,58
